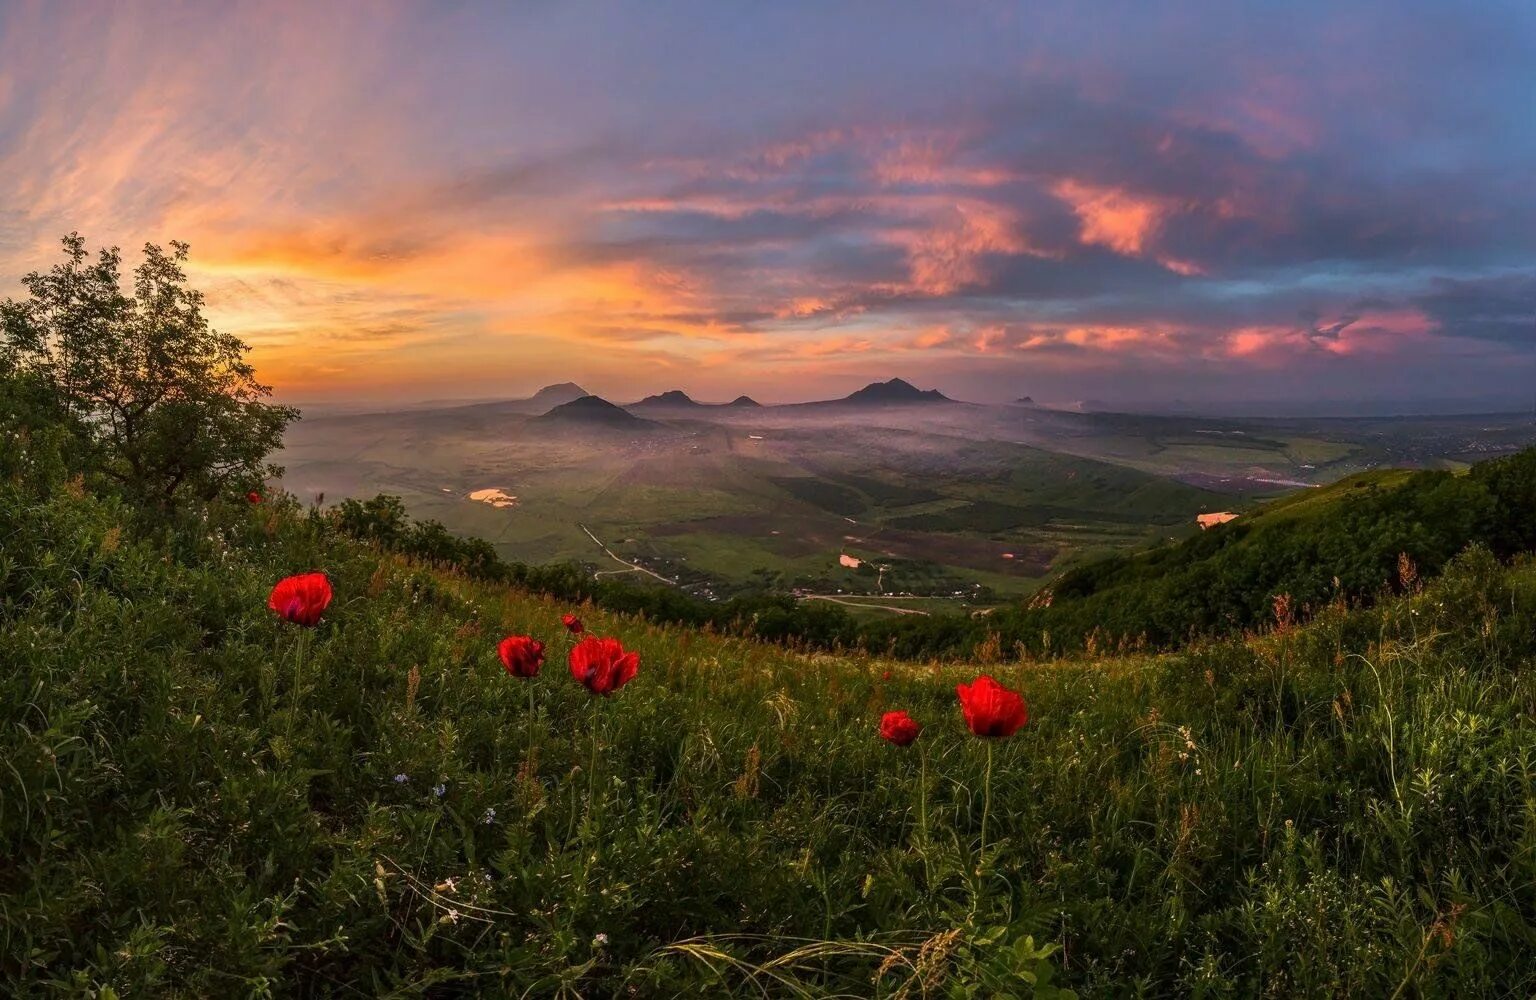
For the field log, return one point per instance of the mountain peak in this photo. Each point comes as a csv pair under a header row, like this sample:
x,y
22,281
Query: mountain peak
x,y
895,390
744,401
672,397
594,411
560,392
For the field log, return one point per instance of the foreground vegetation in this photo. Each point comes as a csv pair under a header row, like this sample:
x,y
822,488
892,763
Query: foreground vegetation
x,y
199,797
353,795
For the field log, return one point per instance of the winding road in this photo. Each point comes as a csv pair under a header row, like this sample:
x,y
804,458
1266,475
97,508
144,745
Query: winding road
x,y
633,567
879,607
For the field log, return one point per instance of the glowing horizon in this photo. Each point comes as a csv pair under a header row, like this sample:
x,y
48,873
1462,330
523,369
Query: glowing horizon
x,y
411,202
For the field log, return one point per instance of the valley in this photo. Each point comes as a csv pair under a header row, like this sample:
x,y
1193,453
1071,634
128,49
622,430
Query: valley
x,y
888,495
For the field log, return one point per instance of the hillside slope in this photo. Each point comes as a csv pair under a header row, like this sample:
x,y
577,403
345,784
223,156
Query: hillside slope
x,y
1349,542
199,796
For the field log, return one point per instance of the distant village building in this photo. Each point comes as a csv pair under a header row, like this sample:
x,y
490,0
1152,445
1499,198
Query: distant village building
x,y
1211,520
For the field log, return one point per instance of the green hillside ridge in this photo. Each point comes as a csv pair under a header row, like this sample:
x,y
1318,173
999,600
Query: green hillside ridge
x,y
199,797
1350,542
1321,500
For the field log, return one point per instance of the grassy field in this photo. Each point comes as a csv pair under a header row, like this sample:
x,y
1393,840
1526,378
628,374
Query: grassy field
x,y
726,502
200,799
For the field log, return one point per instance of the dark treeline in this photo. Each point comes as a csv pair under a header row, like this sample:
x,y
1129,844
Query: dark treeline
x,y
1370,540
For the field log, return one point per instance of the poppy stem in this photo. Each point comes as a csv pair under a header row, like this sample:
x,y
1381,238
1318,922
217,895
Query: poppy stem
x,y
986,809
597,719
922,815
298,677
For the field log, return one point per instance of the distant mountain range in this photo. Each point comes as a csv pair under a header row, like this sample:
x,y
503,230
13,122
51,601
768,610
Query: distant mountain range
x,y
674,398
540,402
556,401
677,399
594,410
569,403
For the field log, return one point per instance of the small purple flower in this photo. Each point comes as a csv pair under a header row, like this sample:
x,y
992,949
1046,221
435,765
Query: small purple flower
x,y
489,817
439,790
402,778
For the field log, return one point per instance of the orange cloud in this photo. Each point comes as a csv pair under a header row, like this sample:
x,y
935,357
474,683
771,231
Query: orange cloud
x,y
1123,222
945,249
832,347
1249,341
1111,217
929,159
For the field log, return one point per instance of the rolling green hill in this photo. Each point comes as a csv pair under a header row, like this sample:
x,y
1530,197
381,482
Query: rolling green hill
x,y
1346,543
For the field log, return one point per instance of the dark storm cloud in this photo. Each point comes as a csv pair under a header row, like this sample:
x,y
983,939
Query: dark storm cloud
x,y
1500,308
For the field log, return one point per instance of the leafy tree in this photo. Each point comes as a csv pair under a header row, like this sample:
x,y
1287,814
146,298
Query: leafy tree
x,y
158,401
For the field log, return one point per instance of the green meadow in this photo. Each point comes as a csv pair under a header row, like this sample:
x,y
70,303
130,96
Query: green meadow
x,y
200,798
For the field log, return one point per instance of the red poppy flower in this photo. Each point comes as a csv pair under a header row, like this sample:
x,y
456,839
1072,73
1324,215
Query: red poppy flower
x,y
899,728
885,676
572,624
603,665
301,599
991,709
522,655
253,497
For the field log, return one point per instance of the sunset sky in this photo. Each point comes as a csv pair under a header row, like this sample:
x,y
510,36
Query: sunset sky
x,y
1219,202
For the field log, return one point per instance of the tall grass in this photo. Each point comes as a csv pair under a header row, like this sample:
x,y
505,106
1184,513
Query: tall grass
x,y
1341,808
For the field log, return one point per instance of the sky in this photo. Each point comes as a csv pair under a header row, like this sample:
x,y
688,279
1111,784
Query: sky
x,y
1310,204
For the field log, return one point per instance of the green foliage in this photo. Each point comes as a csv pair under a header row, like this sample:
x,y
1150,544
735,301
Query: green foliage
x,y
153,399
198,799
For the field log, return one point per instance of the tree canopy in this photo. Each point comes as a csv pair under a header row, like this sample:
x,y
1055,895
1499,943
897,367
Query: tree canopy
x,y
156,400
